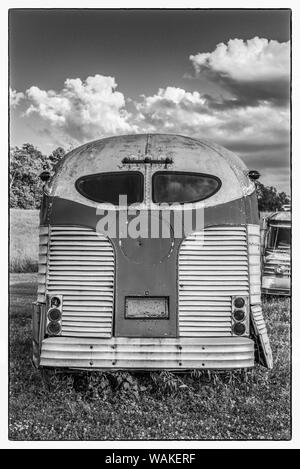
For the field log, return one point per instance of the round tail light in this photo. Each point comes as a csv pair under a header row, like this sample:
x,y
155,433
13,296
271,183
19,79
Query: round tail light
x,y
53,328
54,314
239,302
239,315
239,328
280,269
55,301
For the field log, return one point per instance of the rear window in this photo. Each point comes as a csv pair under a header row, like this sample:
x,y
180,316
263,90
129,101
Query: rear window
x,y
182,187
107,187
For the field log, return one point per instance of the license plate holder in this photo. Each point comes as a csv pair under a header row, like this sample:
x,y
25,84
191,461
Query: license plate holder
x,y
147,307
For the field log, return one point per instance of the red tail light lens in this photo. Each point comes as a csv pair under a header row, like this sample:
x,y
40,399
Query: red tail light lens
x,y
239,302
239,315
53,328
55,302
54,314
239,328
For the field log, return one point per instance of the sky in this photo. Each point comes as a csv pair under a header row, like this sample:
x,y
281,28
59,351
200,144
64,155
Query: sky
x,y
223,75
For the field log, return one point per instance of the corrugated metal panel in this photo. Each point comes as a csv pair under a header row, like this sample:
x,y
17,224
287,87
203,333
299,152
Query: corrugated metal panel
x,y
148,353
254,263
257,318
43,249
81,268
262,334
213,267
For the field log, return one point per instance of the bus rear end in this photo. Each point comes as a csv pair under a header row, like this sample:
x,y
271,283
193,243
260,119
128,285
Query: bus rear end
x,y
125,286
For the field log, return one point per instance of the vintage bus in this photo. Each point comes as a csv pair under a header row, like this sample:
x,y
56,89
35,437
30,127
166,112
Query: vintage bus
x,y
276,254
190,299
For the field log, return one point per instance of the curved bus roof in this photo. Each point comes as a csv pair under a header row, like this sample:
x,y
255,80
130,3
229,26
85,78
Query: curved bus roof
x,y
187,154
280,219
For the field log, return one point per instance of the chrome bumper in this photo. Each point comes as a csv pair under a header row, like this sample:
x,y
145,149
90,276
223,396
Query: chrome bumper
x,y
147,353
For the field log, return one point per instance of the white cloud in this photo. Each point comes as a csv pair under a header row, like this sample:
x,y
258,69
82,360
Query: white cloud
x,y
15,97
180,111
174,95
253,119
256,59
259,134
82,110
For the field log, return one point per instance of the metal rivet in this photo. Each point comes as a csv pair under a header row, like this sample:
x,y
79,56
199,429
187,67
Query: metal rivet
x,y
146,293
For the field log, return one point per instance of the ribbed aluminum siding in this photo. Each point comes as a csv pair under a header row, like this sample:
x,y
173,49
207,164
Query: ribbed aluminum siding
x,y
43,249
81,268
148,353
213,266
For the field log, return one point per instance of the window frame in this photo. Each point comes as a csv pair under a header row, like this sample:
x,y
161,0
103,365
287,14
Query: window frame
x,y
272,229
189,173
112,173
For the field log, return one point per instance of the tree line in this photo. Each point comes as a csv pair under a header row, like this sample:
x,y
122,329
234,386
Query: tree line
x,y
27,163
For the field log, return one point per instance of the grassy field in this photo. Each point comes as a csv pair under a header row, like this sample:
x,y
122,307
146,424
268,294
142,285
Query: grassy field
x,y
100,406
24,240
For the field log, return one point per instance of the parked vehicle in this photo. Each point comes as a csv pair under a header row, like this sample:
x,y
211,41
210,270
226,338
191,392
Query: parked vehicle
x,y
276,253
132,296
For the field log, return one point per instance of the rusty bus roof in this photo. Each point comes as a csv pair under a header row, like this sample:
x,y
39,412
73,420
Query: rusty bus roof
x,y
186,153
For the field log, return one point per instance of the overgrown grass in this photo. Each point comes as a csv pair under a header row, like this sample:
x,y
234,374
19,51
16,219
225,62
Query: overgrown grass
x,y
24,241
101,406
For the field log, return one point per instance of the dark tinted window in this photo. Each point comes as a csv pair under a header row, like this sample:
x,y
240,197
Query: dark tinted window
x,y
107,187
279,238
183,187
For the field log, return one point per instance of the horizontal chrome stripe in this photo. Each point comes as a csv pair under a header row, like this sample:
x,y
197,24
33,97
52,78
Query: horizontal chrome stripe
x,y
148,353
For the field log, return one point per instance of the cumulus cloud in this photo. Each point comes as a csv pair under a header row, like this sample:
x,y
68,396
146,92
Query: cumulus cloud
x,y
15,97
177,110
252,70
250,130
250,115
82,110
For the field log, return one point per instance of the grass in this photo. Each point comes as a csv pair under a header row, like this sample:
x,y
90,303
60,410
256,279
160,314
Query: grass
x,y
164,406
24,240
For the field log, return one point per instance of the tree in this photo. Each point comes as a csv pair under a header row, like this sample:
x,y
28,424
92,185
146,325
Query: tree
x,y
269,200
56,156
26,164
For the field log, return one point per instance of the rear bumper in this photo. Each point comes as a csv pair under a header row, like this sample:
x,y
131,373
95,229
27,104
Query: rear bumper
x,y
147,353
273,285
